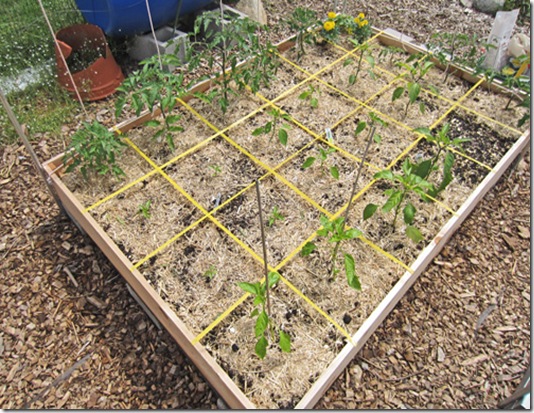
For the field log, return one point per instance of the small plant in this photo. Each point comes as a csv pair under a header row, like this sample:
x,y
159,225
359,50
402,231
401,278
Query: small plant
x,y
389,52
264,328
144,209
302,21
309,96
409,180
275,126
514,82
216,170
363,53
443,144
210,272
274,216
152,87
336,233
322,157
374,122
94,148
415,72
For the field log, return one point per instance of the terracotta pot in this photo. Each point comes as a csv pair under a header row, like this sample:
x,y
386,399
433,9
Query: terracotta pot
x,y
95,71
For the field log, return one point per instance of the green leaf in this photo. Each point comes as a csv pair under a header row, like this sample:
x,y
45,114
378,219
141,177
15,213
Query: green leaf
x,y
371,60
350,271
377,138
285,342
314,102
422,107
261,324
384,174
261,347
282,136
249,287
274,277
334,172
360,127
409,213
352,79
422,169
308,162
392,202
258,131
347,62
413,91
254,313
307,249
153,123
369,211
414,234
397,93
304,95
352,233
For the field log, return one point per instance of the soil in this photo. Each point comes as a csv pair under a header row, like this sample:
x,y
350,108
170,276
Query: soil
x,y
75,338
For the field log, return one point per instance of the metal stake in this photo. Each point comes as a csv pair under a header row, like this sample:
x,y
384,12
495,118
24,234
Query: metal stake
x,y
266,267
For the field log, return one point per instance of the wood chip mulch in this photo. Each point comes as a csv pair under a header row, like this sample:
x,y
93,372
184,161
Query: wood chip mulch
x,y
72,336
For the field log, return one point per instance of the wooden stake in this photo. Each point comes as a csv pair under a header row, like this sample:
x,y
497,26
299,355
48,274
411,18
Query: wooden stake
x,y
265,266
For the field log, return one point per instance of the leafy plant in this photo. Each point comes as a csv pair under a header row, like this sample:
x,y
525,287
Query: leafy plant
x,y
274,216
408,180
363,53
514,82
443,144
302,21
416,69
322,157
227,41
94,148
374,122
144,209
150,87
275,126
309,96
264,328
336,233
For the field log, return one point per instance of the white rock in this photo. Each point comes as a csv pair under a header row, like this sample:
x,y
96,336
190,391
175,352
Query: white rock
x,y
253,9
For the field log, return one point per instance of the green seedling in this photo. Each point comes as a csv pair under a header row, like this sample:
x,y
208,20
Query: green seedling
x,y
309,96
216,170
389,52
364,53
409,180
144,209
274,216
322,157
415,70
302,21
210,272
443,145
374,122
275,126
94,148
336,232
264,328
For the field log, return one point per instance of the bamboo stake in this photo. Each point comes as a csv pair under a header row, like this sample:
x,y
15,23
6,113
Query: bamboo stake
x,y
154,34
265,266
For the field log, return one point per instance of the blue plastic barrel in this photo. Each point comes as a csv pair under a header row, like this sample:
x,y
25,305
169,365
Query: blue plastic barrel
x,y
119,18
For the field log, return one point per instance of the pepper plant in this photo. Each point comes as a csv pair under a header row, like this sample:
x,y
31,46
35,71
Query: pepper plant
x,y
364,53
276,126
309,95
407,181
94,148
302,21
264,328
322,157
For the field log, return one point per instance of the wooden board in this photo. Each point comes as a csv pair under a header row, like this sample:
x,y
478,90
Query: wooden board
x,y
217,377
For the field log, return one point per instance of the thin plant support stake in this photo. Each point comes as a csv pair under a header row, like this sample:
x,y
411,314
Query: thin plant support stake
x,y
265,266
153,33
45,15
354,186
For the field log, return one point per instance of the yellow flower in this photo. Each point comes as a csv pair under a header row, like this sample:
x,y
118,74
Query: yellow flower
x,y
332,15
329,25
363,23
361,16
357,20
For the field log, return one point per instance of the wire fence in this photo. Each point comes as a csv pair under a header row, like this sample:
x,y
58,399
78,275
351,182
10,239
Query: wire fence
x,y
26,41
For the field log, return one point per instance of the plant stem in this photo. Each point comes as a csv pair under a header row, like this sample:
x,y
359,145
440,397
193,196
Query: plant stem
x,y
398,208
265,266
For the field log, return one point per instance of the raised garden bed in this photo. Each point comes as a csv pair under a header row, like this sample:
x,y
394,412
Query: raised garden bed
x,y
202,237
